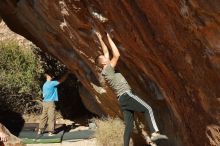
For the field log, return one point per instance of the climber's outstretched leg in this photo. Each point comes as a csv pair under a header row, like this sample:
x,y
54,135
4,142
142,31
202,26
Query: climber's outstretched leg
x,y
129,101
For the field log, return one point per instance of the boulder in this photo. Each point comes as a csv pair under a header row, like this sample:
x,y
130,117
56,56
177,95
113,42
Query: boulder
x,y
169,55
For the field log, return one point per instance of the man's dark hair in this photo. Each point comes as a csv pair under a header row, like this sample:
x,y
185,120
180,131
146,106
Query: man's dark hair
x,y
48,73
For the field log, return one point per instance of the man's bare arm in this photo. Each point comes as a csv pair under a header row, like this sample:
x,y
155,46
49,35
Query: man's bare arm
x,y
104,47
63,77
115,51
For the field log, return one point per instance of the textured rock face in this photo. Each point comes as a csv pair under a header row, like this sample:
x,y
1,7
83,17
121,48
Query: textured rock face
x,y
169,54
12,140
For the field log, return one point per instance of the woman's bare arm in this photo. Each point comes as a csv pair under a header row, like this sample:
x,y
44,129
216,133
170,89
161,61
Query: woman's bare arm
x,y
115,51
104,47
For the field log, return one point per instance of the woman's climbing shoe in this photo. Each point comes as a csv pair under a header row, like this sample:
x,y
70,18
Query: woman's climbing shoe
x,y
157,136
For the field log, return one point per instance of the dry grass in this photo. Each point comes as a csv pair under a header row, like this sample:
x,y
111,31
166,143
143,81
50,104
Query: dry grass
x,y
109,132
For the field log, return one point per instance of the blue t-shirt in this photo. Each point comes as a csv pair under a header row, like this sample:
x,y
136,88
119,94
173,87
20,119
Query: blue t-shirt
x,y
50,91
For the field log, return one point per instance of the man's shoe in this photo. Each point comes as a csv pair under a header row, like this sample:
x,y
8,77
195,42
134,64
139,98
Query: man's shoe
x,y
50,134
40,132
157,136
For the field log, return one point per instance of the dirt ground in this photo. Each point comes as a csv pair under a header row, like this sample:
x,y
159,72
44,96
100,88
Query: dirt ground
x,y
80,125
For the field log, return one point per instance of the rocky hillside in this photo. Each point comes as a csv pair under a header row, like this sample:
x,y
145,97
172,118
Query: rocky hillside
x,y
169,54
7,35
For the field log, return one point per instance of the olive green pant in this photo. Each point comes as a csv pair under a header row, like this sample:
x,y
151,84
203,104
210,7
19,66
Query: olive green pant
x,y
48,116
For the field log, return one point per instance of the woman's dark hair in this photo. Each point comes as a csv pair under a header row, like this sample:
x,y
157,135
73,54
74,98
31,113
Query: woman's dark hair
x,y
97,59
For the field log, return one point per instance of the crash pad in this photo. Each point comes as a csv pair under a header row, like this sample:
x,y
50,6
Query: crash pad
x,y
78,135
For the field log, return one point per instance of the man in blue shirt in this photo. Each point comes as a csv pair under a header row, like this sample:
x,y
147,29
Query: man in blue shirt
x,y
50,95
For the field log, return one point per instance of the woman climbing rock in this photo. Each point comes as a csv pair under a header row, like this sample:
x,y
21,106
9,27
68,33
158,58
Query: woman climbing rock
x,y
128,101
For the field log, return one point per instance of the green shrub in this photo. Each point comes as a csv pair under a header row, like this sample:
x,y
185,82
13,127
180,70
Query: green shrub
x,y
20,71
109,132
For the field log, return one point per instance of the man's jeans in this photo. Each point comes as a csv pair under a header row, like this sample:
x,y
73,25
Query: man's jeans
x,y
48,116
